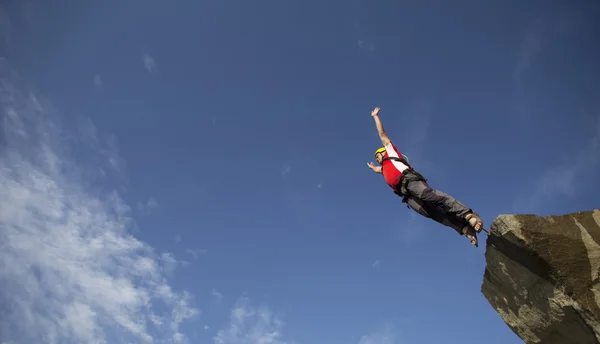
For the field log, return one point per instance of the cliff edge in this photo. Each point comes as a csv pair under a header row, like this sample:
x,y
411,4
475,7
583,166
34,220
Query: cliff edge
x,y
542,276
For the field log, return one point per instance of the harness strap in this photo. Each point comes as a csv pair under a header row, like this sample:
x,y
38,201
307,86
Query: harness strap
x,y
405,177
402,160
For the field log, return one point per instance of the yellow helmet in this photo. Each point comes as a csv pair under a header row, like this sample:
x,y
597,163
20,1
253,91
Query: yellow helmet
x,y
380,150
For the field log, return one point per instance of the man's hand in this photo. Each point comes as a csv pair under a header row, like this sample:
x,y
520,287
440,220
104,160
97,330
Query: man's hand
x,y
374,168
375,112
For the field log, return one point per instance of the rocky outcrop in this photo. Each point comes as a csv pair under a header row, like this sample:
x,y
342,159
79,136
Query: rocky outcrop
x,y
543,276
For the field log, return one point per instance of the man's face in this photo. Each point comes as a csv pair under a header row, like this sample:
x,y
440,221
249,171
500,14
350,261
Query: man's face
x,y
379,157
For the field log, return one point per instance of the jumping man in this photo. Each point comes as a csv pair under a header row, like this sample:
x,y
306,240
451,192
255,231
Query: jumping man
x,y
416,192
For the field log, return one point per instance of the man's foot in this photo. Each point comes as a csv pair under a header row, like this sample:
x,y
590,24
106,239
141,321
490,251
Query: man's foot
x,y
474,221
469,232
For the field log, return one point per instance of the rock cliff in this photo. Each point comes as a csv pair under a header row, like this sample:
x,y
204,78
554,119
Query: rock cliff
x,y
543,276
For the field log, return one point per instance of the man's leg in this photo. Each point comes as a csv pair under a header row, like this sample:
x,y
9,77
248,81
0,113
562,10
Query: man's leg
x,y
445,202
459,225
448,204
436,214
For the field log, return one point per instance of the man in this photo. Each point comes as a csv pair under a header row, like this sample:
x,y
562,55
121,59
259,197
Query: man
x,y
416,192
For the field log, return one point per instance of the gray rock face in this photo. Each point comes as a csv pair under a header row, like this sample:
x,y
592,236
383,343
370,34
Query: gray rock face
x,y
543,276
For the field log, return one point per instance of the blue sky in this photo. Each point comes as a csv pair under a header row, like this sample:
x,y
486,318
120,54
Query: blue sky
x,y
196,171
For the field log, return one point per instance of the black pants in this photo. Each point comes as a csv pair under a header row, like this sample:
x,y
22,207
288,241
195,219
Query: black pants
x,y
435,204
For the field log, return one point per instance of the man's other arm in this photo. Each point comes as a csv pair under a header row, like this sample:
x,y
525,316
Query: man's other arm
x,y
375,168
382,135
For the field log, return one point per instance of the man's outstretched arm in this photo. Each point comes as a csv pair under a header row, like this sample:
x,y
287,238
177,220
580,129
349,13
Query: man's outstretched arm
x,y
382,135
374,168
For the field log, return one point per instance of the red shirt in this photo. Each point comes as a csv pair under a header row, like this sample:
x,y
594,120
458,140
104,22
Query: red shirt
x,y
392,170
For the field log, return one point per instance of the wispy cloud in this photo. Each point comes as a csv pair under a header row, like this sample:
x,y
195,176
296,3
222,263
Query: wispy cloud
x,y
365,45
151,203
564,178
285,170
384,336
361,42
196,252
249,324
216,295
543,31
105,149
111,152
149,63
377,263
97,81
529,49
69,268
252,324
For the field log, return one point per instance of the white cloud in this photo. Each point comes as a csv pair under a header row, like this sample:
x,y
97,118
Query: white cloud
x,y
377,263
151,203
196,253
365,46
111,153
384,336
149,63
97,81
251,325
70,271
361,42
217,295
